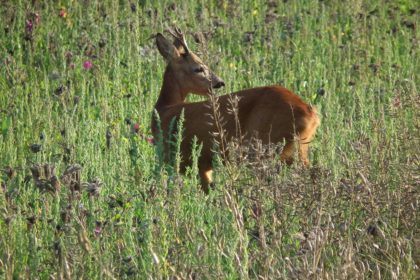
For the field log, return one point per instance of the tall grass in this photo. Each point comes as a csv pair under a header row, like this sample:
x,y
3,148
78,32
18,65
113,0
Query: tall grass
x,y
84,195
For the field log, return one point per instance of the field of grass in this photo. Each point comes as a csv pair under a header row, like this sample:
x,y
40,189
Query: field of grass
x,y
84,196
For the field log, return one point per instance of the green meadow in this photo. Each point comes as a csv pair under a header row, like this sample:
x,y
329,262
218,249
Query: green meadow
x,y
84,193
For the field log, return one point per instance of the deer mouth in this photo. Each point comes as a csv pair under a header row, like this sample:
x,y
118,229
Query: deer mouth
x,y
219,84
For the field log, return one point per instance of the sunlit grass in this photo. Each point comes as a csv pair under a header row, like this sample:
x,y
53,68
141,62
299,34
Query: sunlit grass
x,y
78,84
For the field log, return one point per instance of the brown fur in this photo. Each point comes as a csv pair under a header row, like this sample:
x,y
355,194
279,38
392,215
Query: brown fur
x,y
273,114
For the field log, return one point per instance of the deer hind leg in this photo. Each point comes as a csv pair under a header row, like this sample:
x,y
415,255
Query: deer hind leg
x,y
288,152
306,137
303,153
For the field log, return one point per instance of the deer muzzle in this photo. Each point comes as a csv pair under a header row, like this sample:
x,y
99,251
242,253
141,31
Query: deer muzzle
x,y
216,82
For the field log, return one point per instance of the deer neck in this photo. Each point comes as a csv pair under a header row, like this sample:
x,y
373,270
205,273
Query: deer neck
x,y
171,92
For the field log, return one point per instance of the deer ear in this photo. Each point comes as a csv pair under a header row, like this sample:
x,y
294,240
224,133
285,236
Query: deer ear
x,y
180,47
166,48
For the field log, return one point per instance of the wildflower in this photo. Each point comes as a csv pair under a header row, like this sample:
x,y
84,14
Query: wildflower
x,y
44,177
87,65
29,26
98,228
93,188
150,140
71,177
62,13
37,18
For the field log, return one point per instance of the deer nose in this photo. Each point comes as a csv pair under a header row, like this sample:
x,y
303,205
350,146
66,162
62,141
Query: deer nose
x,y
216,82
219,84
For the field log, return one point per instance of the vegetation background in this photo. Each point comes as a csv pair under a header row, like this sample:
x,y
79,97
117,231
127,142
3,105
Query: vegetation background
x,y
84,195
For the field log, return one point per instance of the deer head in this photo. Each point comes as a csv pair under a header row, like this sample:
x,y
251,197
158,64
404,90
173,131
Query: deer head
x,y
189,73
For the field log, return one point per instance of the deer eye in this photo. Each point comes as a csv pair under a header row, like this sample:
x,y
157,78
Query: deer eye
x,y
199,70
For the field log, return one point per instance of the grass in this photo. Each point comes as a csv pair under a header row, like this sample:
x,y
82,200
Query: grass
x,y
353,214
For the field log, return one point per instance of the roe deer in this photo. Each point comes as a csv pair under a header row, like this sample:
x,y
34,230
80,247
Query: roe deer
x,y
273,114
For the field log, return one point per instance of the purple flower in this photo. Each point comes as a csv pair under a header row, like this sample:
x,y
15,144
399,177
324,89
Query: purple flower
x,y
87,65
136,128
62,13
29,25
37,18
98,228
151,140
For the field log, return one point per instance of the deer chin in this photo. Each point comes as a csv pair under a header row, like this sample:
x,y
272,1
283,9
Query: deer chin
x,y
207,92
